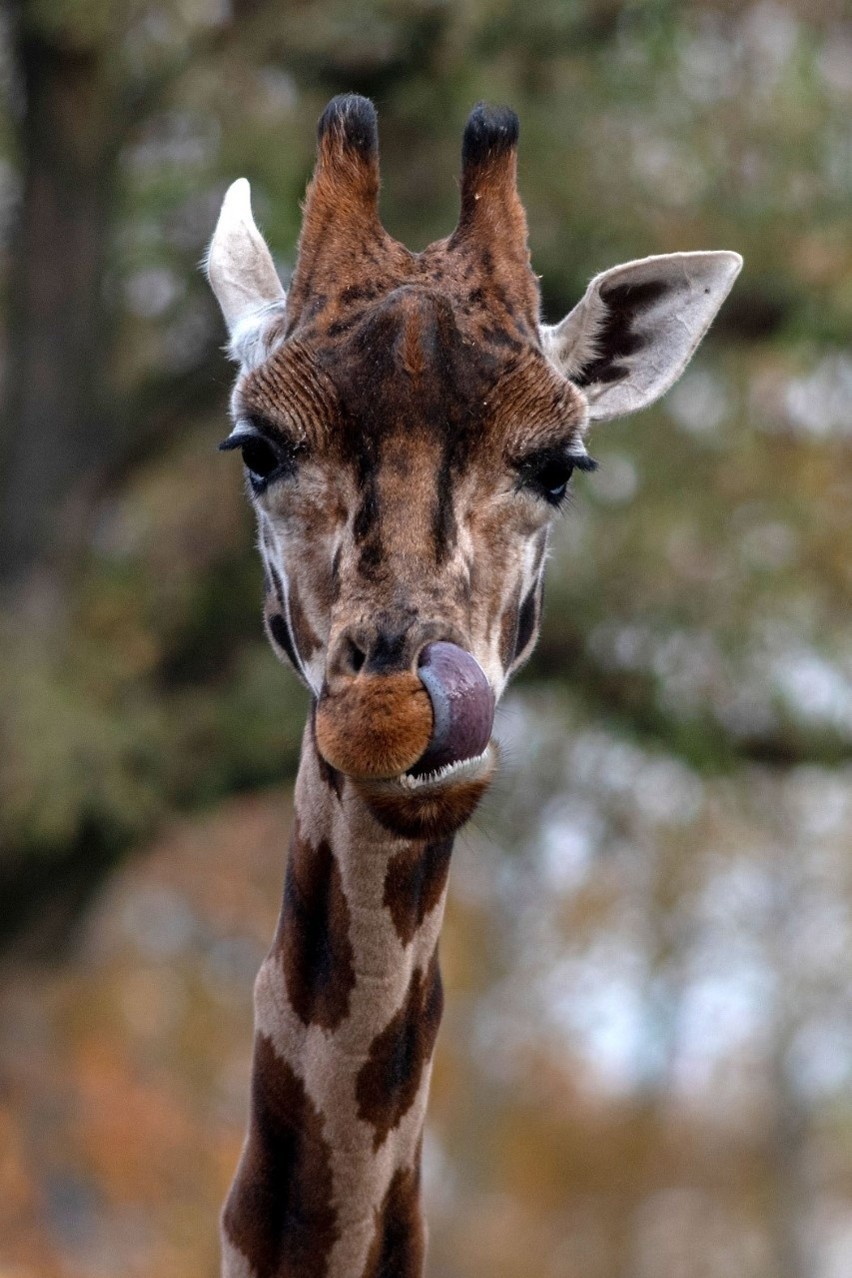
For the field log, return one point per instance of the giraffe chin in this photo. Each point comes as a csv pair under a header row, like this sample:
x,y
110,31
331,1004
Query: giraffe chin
x,y
434,805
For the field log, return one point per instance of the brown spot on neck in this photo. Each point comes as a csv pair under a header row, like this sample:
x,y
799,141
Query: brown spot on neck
x,y
279,1213
398,1248
313,935
415,883
390,1079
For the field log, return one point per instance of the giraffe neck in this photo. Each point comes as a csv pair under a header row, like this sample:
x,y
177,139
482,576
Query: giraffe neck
x,y
347,1007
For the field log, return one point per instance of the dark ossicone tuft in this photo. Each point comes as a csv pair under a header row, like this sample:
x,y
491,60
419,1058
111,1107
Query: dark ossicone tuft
x,y
490,132
353,120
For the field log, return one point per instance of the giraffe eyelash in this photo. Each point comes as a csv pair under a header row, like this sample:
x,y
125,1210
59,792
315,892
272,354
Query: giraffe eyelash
x,y
547,472
582,461
267,456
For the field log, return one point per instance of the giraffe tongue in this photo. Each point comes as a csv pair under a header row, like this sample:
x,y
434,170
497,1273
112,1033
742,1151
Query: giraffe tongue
x,y
462,705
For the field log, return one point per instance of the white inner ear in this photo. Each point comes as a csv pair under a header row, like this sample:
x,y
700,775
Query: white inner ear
x,y
241,272
635,330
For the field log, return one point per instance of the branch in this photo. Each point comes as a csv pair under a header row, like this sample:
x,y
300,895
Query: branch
x,y
629,700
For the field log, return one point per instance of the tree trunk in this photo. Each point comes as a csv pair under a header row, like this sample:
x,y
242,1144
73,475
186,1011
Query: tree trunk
x,y
50,424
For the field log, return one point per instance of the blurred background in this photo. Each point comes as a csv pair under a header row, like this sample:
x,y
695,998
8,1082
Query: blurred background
x,y
645,1069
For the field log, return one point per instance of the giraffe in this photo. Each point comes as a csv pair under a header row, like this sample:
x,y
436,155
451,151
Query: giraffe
x,y
408,429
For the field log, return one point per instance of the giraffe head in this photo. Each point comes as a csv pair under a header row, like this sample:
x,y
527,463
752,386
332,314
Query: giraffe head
x,y
409,429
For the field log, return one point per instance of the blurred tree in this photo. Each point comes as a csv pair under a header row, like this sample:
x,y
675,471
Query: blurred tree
x,y
68,136
647,1055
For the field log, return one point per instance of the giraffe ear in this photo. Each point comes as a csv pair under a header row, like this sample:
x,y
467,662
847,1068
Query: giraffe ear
x,y
239,265
635,330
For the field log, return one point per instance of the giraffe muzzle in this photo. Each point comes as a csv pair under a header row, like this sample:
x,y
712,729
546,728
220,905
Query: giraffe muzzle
x,y
381,726
374,726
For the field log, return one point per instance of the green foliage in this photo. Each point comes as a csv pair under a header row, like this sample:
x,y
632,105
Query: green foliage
x,y
156,689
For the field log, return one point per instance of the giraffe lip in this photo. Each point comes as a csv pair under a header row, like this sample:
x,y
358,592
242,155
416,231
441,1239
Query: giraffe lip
x,y
447,774
436,804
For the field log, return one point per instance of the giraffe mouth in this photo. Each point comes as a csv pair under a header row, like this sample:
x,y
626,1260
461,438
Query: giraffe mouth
x,y
435,793
440,790
472,769
432,804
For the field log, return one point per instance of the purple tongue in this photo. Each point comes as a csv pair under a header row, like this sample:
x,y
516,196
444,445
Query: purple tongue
x,y
462,704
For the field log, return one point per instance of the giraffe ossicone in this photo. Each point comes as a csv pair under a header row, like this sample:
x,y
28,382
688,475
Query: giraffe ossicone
x,y
409,429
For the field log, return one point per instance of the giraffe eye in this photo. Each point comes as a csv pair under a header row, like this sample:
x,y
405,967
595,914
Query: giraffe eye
x,y
551,479
259,457
547,472
264,459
